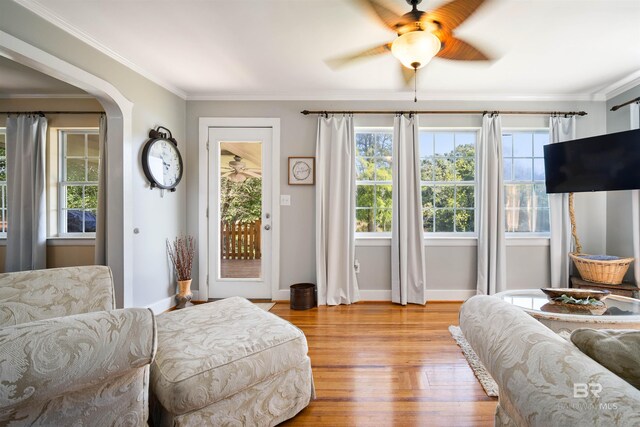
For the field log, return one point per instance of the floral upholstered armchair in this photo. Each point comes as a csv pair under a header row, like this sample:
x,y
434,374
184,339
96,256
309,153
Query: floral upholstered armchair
x,y
66,356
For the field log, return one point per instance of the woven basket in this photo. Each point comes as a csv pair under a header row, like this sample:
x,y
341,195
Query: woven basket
x,y
609,272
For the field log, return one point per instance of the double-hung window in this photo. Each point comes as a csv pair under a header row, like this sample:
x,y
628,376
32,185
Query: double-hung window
x,y
526,201
374,151
78,182
448,180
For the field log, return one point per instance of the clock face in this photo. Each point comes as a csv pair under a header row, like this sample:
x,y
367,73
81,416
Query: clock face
x,y
164,163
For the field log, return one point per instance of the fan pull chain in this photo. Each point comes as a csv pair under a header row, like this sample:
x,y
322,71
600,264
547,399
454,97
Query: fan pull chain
x,y
415,84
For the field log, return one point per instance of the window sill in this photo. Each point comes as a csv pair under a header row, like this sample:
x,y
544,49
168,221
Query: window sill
x,y
448,241
71,241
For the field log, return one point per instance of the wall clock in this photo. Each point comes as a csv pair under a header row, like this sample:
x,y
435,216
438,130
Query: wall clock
x,y
161,160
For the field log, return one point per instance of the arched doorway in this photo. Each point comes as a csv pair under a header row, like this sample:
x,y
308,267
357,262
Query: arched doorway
x,y
119,117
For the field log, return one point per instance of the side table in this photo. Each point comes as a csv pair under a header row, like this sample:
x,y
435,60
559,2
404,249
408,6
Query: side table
x,y
625,289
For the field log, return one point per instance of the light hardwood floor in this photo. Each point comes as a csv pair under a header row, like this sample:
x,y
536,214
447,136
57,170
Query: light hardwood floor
x,y
380,364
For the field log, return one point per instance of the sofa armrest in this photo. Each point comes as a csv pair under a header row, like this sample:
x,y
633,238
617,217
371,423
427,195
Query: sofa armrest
x,y
55,292
542,378
48,358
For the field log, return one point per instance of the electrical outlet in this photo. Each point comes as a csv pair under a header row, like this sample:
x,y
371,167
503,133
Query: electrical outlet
x,y
285,200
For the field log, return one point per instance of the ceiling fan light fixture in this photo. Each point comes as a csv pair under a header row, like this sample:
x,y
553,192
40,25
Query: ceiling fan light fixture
x,y
416,48
237,177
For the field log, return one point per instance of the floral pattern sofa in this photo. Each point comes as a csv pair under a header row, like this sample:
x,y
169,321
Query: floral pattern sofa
x,y
66,356
543,379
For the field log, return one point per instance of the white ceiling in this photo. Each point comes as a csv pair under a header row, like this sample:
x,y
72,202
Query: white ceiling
x,y
231,49
18,80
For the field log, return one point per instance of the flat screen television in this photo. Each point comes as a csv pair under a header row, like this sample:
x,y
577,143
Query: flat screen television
x,y
600,163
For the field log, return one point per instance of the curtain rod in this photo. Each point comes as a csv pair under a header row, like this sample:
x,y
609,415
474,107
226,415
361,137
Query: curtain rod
x,y
616,107
52,112
559,113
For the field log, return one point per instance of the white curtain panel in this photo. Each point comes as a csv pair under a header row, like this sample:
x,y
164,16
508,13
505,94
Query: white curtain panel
x,y
27,215
492,274
407,234
101,216
560,129
335,211
635,203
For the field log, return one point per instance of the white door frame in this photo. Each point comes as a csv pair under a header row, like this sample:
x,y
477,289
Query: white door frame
x,y
203,173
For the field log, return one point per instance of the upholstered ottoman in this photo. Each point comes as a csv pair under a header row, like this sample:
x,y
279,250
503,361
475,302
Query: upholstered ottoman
x,y
228,363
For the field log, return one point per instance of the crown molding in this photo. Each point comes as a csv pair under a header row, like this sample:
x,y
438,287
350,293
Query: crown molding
x,y
621,86
49,16
389,96
46,95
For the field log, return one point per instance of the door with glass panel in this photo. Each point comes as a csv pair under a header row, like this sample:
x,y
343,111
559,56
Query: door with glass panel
x,y
239,174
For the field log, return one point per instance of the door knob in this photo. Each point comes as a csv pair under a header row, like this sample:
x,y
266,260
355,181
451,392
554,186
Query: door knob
x,y
267,227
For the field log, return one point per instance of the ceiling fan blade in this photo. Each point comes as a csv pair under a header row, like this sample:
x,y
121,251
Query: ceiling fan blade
x,y
226,174
387,16
250,173
456,49
341,61
454,13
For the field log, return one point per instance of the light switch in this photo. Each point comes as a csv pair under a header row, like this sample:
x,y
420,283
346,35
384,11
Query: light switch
x,y
285,200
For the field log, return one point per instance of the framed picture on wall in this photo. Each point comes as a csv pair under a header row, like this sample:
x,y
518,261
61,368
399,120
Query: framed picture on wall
x,y
302,170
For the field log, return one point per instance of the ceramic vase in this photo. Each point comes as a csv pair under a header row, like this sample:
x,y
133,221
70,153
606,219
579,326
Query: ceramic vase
x,y
184,294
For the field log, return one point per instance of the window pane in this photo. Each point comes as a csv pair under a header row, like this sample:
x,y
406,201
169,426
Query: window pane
x,y
383,170
465,197
465,144
539,140
383,220
444,220
74,197
542,221
383,196
90,221
93,149
538,169
74,221
540,194
427,197
365,143
427,169
444,143
91,196
517,195
444,197
427,220
522,144
3,169
383,146
465,169
507,145
522,169
444,169
364,196
75,170
426,144
365,169
465,220
75,144
92,171
364,220
507,166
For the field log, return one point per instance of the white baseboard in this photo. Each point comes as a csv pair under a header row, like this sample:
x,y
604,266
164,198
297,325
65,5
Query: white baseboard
x,y
385,295
167,303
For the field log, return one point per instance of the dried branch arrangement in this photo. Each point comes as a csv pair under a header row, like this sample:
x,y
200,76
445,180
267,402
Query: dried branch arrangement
x,y
181,254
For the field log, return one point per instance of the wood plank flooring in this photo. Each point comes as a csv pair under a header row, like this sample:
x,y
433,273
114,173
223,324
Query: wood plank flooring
x,y
380,364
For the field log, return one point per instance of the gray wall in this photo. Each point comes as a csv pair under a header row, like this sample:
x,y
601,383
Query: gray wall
x,y
157,217
619,226
450,268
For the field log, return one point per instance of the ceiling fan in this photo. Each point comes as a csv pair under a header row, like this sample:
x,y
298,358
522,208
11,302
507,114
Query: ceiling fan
x,y
422,35
237,170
